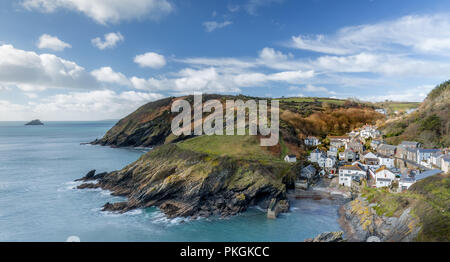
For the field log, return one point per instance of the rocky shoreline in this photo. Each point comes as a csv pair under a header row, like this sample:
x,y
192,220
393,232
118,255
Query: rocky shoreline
x,y
361,223
190,184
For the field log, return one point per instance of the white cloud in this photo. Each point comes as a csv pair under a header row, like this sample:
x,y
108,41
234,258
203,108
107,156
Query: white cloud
x,y
92,105
270,54
317,89
33,72
213,25
108,75
150,59
428,34
110,40
104,12
52,42
416,94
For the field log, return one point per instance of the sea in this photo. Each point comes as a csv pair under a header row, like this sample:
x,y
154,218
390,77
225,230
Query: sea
x,y
39,200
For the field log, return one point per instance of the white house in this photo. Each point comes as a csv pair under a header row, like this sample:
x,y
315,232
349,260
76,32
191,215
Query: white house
x,y
406,182
330,162
290,158
375,143
386,161
384,177
381,111
435,159
445,163
425,154
348,173
312,141
333,152
315,155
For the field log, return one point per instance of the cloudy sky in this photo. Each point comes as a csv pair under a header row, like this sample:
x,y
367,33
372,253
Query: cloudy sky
x,y
101,59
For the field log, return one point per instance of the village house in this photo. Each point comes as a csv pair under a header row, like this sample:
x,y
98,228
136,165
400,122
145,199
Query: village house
x,y
356,146
338,141
348,173
347,155
370,159
316,155
383,177
290,158
425,154
386,161
445,163
330,162
312,141
375,143
408,180
369,131
435,159
411,154
387,150
381,111
410,144
405,182
333,152
308,172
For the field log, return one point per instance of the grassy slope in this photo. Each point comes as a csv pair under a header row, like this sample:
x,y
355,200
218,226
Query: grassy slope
x,y
429,200
430,124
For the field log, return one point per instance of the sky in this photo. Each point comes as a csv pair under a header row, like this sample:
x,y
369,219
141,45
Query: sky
x,y
102,59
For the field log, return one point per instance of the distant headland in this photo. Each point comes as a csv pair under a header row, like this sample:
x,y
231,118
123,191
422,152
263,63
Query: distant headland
x,y
35,122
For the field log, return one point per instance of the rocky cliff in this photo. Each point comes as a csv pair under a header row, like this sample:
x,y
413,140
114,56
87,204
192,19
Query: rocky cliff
x,y
189,184
430,124
420,214
360,221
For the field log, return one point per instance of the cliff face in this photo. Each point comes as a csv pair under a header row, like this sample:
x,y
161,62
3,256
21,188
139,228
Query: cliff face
x,y
430,124
420,214
361,221
190,184
150,125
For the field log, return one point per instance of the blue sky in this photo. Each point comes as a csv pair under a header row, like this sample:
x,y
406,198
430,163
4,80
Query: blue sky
x,y
100,59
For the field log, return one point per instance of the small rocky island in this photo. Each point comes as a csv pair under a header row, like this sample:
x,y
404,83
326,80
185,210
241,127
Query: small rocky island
x,y
35,122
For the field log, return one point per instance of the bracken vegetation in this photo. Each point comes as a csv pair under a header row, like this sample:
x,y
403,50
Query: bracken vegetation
x,y
430,124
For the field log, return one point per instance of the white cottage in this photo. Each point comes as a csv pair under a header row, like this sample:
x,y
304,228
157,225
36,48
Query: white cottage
x,y
290,158
349,172
384,177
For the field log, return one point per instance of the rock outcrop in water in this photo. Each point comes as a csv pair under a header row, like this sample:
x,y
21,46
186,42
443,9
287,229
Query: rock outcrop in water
x,y
35,122
190,184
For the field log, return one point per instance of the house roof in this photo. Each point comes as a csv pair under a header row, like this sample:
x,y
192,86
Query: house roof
x,y
351,167
386,146
370,155
291,156
424,150
382,168
428,173
409,143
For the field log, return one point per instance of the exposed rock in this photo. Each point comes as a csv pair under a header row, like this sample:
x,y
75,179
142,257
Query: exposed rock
x,y
88,186
360,221
35,122
327,237
91,176
190,184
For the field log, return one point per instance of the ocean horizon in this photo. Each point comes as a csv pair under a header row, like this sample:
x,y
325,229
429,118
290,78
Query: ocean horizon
x,y
39,200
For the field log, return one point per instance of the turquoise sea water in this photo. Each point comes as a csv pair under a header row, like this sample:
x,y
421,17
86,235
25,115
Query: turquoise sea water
x,y
38,201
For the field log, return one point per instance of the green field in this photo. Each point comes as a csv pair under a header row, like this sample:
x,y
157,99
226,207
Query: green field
x,y
398,106
242,147
313,99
